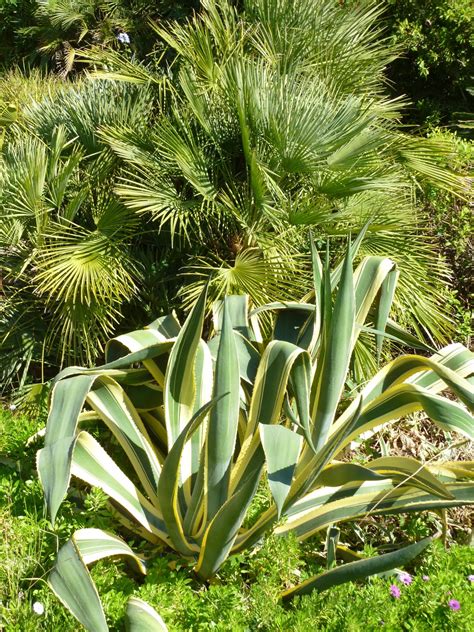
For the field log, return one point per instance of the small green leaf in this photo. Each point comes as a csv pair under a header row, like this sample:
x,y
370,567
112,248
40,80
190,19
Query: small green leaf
x,y
141,617
282,448
358,570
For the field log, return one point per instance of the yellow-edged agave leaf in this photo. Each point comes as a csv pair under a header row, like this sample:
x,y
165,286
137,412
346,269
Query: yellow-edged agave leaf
x,y
338,474
282,448
133,342
318,298
270,385
409,471
336,358
455,357
403,368
318,509
384,305
271,382
143,353
92,464
180,390
359,569
168,487
204,379
369,278
116,410
96,544
54,460
141,617
404,399
222,531
72,584
452,471
223,419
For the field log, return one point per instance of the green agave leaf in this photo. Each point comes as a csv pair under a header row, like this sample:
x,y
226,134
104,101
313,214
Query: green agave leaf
x,y
168,486
96,544
220,534
248,355
141,617
237,309
289,324
324,506
394,329
72,584
92,464
282,448
145,396
331,545
338,474
54,460
358,570
180,391
223,419
114,407
411,472
167,325
336,358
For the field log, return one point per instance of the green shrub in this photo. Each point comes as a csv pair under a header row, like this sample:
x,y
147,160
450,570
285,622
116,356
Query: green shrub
x,y
436,67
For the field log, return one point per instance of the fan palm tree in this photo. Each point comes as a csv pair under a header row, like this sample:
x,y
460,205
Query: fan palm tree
x,y
65,239
275,119
215,159
63,27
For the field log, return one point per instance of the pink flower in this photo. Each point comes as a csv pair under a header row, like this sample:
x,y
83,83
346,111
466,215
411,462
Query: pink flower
x,y
395,591
454,604
425,578
405,578
470,578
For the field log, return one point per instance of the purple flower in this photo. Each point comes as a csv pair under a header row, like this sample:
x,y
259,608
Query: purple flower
x,y
470,578
454,604
405,578
425,578
395,591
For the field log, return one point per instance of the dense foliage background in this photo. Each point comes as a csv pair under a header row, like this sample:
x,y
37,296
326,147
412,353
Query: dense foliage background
x,y
148,147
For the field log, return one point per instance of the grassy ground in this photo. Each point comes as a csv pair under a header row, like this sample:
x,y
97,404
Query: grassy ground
x,y
244,596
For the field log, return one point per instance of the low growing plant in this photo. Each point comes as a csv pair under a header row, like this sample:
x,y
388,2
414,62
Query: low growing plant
x,y
205,426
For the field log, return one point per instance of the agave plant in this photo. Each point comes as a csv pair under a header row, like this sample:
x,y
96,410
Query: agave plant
x,y
204,425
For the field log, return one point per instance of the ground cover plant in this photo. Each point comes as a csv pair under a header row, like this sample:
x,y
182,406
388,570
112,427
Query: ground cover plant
x,y
245,593
435,68
198,422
